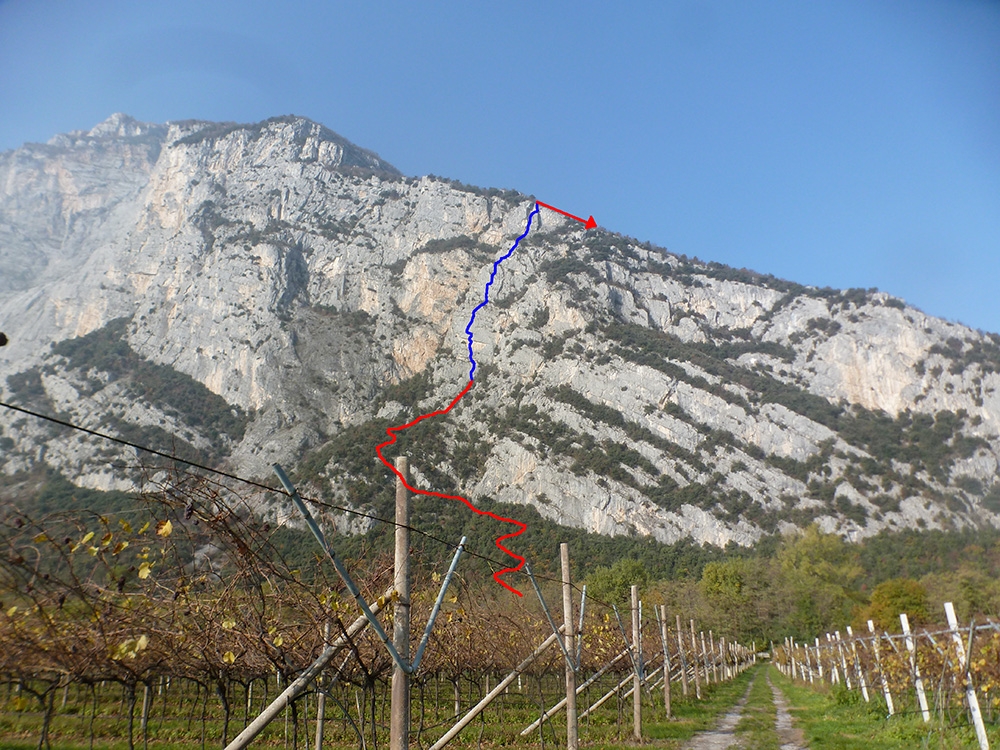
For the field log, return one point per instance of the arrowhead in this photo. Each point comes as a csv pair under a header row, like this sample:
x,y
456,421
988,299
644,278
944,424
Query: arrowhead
x,y
591,224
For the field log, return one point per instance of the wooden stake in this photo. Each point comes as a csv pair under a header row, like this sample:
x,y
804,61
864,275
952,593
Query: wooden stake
x,y
918,682
321,698
399,721
637,682
878,666
694,662
666,659
680,656
704,658
572,737
715,661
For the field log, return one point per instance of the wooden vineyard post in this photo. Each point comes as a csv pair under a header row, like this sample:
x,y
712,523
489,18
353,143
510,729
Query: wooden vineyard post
x,y
704,658
694,661
970,689
843,661
637,681
834,669
918,682
858,671
724,658
819,661
666,659
715,661
878,665
399,721
572,737
321,697
680,657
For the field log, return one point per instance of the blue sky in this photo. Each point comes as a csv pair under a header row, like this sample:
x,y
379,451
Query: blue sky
x,y
845,144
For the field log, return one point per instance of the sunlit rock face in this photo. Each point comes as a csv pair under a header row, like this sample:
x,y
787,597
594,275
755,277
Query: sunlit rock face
x,y
256,293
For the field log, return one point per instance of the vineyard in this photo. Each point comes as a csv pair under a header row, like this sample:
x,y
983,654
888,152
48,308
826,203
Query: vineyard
x,y
179,620
950,676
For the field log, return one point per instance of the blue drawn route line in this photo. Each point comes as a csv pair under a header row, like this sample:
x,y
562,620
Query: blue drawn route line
x,y
486,296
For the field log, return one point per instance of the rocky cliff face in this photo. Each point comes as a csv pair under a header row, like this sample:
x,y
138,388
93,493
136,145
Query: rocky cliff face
x,y
270,292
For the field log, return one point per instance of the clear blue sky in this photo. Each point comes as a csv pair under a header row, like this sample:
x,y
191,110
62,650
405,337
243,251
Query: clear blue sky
x,y
834,143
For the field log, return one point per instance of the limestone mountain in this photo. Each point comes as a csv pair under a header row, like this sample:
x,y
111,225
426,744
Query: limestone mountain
x,y
270,292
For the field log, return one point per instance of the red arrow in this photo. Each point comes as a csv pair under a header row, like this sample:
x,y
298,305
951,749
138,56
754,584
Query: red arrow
x,y
588,223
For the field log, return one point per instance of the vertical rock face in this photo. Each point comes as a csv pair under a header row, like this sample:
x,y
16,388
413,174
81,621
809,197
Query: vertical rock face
x,y
252,293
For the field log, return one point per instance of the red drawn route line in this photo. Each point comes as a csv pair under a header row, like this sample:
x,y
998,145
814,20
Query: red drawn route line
x,y
391,432
521,526
590,222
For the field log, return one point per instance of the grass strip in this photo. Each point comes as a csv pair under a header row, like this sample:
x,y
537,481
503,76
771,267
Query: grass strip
x,y
839,719
756,728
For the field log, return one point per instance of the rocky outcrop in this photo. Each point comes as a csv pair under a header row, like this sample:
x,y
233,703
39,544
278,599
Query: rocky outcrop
x,y
295,289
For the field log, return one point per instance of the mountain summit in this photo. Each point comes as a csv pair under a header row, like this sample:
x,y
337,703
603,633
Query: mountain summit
x,y
246,294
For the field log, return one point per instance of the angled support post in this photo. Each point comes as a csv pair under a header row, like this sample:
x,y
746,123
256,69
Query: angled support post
x,y
297,686
437,606
550,712
548,615
501,686
339,566
399,661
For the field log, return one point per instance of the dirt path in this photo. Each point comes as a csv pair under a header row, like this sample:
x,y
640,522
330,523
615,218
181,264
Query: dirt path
x,y
724,735
791,738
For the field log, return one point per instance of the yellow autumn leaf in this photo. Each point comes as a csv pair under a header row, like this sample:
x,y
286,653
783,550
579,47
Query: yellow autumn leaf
x,y
87,537
163,528
126,526
229,657
119,547
278,640
144,570
229,623
142,642
143,529
93,551
106,539
12,611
